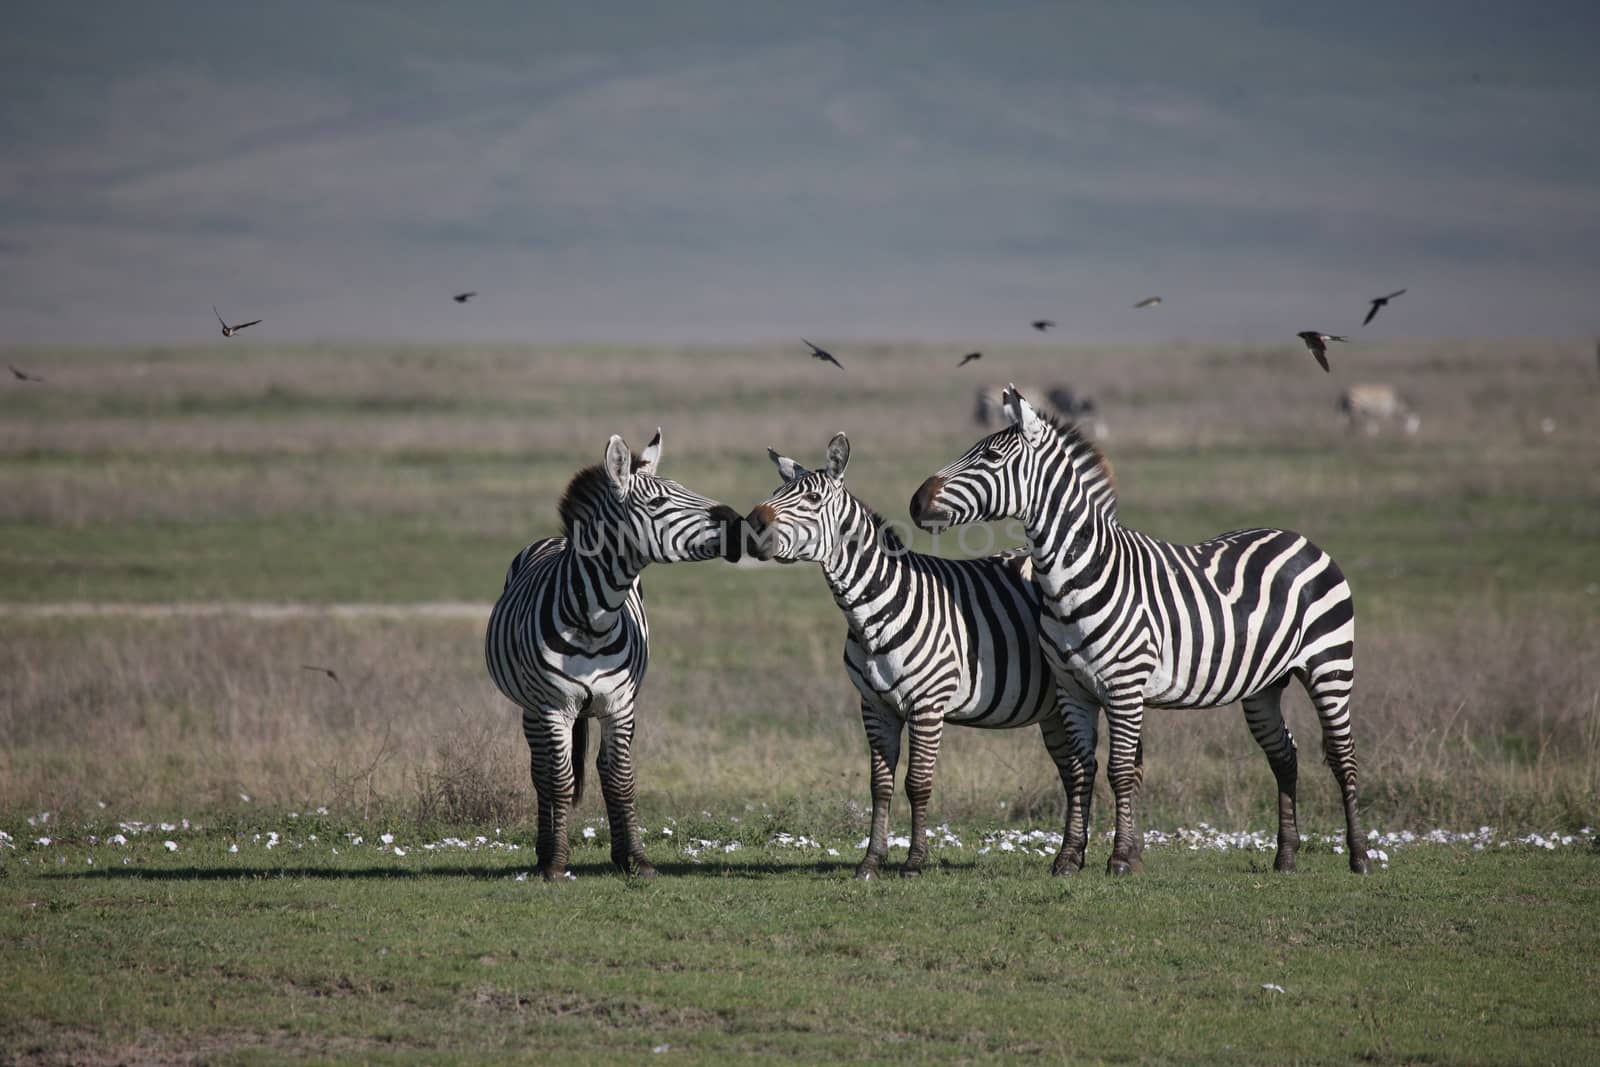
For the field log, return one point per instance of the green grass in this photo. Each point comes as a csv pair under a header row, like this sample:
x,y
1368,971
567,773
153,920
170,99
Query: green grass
x,y
263,956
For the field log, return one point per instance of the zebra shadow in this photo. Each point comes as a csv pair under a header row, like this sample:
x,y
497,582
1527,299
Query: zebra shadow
x,y
754,870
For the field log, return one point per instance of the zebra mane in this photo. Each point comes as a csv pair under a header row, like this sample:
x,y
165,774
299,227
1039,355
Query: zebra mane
x,y
586,489
883,530
1088,461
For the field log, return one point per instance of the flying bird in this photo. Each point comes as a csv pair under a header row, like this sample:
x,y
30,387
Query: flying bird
x,y
320,670
229,331
24,376
1148,302
1318,344
969,357
1379,302
823,354
462,298
1042,324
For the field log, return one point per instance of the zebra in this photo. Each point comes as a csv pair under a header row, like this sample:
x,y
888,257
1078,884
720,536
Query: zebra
x,y
930,640
1130,621
568,640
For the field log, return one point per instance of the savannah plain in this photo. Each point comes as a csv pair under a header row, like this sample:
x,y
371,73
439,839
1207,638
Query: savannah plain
x,y
184,530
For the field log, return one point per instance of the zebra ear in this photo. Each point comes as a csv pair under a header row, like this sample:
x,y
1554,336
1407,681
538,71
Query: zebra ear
x,y
1020,414
651,454
838,455
788,469
619,464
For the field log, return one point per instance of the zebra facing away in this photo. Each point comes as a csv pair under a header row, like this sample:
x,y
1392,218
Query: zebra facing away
x,y
1131,621
930,640
568,640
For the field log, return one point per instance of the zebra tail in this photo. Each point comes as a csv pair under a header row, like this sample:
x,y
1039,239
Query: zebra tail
x,y
580,752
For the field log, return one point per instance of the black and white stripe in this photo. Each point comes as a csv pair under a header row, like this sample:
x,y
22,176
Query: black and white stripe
x,y
930,640
1131,621
568,640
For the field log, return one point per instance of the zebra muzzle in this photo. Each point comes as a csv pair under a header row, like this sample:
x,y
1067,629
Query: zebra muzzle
x,y
732,535
926,511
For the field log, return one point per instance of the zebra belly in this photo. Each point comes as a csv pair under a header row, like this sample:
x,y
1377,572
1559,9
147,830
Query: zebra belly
x,y
989,700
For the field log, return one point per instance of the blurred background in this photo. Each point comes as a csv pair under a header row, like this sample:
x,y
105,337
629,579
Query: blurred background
x,y
713,171
652,206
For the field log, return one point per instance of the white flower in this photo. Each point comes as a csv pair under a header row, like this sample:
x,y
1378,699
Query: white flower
x,y
233,847
387,839
170,846
41,841
117,839
245,797
1273,987
398,851
588,832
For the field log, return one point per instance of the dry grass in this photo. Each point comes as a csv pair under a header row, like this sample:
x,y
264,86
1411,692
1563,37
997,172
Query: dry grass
x,y
182,716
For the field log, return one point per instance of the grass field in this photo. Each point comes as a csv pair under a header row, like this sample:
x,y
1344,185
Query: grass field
x,y
148,498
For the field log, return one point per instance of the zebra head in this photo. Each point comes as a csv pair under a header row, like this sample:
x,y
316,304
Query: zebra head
x,y
626,507
803,519
990,480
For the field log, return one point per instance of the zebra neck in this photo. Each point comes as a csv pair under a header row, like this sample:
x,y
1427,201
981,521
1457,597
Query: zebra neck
x,y
865,565
1072,544
594,590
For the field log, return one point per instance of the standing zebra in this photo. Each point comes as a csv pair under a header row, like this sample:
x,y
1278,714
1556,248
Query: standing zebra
x,y
930,640
568,640
1135,621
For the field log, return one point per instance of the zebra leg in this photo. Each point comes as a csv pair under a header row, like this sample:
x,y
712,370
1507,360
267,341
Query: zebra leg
x,y
1126,721
1264,714
1070,739
615,765
1136,857
883,738
926,730
549,738
1330,695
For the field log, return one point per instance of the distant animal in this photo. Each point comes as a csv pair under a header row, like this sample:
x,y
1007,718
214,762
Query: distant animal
x,y
969,357
823,354
229,331
24,376
320,670
462,298
1378,303
1131,621
568,641
1043,324
988,412
1148,302
1317,343
1369,405
930,640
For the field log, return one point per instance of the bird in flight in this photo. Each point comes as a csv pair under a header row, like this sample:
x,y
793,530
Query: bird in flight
x,y
229,331
823,354
462,298
1318,344
24,376
1378,303
969,357
1042,324
1148,302
320,670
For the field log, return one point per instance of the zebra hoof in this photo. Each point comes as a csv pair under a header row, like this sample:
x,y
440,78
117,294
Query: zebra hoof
x,y
1284,862
1118,867
909,871
1358,863
553,874
1063,868
866,872
635,867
